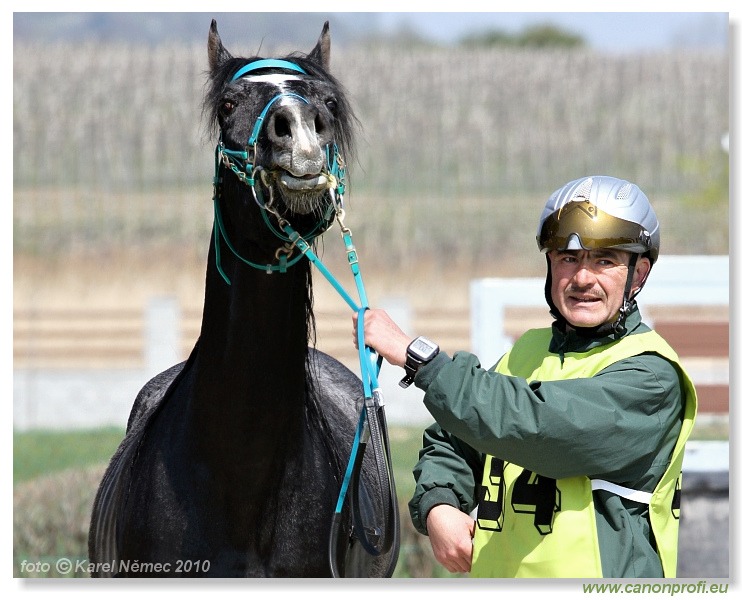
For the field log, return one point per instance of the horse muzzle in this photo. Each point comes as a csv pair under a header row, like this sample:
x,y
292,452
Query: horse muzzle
x,y
306,183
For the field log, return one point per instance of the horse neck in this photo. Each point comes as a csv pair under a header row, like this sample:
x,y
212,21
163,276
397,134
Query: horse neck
x,y
251,359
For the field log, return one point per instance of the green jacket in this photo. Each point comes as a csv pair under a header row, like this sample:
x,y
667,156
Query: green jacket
x,y
626,437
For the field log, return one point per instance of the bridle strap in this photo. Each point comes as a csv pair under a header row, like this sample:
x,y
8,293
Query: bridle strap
x,y
267,63
284,232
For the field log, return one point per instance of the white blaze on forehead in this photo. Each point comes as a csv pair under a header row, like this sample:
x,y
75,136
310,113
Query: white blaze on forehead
x,y
274,78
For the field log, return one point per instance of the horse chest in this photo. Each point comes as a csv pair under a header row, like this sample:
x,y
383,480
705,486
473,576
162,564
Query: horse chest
x,y
242,516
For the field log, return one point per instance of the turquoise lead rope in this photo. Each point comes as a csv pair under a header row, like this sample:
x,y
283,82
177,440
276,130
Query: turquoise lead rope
x,y
371,422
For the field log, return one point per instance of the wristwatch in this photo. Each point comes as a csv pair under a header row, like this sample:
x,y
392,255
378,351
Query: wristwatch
x,y
420,352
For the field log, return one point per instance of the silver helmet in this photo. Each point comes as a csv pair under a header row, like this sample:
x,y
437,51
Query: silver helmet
x,y
599,212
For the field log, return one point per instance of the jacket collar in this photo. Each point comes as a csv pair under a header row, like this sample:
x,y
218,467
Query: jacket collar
x,y
569,340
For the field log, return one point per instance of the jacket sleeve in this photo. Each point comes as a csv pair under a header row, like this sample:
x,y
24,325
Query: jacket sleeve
x,y
447,472
609,426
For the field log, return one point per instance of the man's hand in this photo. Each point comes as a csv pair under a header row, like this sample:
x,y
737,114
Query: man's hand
x,y
450,532
383,335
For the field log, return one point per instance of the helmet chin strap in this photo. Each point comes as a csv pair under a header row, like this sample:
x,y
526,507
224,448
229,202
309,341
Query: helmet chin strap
x,y
616,327
619,325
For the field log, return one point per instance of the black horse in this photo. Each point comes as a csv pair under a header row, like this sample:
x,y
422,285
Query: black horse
x,y
233,461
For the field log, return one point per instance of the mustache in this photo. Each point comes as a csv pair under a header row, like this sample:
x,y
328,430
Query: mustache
x,y
586,292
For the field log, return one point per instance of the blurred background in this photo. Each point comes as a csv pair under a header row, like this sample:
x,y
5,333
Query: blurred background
x,y
469,121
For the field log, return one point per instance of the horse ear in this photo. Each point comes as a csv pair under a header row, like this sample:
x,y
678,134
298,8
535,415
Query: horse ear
x,y
321,52
217,53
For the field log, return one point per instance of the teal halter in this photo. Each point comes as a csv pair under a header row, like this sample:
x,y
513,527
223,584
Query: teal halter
x,y
237,161
242,164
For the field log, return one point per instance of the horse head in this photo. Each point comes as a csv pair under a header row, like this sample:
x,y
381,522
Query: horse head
x,y
285,130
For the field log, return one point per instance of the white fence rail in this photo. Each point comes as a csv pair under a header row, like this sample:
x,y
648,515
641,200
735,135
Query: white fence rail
x,y
70,398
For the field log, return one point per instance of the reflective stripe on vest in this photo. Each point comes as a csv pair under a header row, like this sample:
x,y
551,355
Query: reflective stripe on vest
x,y
619,490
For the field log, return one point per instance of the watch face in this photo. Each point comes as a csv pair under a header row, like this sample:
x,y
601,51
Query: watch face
x,y
423,348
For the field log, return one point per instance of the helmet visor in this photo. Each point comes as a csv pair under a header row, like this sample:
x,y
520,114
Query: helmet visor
x,y
594,228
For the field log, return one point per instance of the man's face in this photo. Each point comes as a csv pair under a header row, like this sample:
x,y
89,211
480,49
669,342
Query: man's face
x,y
587,286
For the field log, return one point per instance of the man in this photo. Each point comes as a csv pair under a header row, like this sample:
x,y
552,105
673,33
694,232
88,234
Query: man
x,y
570,448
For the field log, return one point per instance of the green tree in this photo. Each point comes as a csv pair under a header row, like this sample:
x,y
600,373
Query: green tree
x,y
549,36
535,36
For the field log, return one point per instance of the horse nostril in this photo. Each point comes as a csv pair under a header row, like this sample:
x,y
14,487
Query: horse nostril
x,y
319,125
281,126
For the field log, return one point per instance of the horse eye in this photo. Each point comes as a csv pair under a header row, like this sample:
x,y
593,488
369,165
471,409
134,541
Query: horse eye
x,y
228,106
331,105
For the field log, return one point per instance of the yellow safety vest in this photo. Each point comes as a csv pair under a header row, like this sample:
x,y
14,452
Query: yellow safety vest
x,y
534,526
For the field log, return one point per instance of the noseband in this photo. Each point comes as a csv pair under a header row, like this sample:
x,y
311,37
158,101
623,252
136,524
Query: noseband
x,y
243,164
